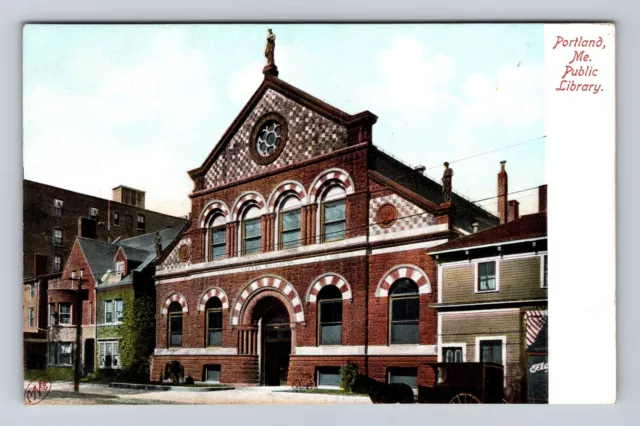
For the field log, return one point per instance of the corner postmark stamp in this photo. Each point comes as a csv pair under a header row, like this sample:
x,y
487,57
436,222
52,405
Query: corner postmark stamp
x,y
37,390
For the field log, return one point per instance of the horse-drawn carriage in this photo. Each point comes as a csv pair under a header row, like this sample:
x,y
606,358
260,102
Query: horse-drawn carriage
x,y
454,383
464,383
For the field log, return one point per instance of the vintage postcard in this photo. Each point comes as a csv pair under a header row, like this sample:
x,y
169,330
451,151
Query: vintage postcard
x,y
312,213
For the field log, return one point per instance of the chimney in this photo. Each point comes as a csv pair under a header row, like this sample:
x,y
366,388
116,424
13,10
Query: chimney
x,y
475,225
420,169
542,198
87,228
126,195
503,190
514,210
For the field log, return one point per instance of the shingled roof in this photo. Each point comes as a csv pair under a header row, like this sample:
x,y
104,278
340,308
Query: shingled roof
x,y
527,227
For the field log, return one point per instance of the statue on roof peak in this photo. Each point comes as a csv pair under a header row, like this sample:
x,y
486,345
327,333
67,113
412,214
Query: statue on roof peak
x,y
269,53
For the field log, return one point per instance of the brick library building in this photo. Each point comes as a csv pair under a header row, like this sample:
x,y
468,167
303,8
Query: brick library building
x,y
306,249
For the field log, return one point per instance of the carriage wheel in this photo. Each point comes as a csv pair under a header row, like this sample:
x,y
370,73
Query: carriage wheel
x,y
464,398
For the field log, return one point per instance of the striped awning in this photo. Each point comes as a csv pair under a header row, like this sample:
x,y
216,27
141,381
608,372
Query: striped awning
x,y
534,322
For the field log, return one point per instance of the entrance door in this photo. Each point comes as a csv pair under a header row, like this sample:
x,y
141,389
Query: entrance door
x,y
275,335
89,350
277,348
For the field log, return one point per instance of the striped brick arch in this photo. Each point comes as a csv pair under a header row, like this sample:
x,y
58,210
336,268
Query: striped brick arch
x,y
175,297
534,322
273,283
244,198
403,271
327,175
214,205
213,292
289,186
325,280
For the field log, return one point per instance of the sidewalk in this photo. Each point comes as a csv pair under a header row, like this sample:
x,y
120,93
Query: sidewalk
x,y
92,394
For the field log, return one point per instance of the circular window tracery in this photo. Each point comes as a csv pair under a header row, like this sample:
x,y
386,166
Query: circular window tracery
x,y
268,138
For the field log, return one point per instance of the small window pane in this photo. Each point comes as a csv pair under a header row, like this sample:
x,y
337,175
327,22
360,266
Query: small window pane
x,y
176,340
331,334
331,311
291,220
334,211
407,376
215,338
404,333
252,228
212,373
219,235
290,238
328,376
405,309
215,319
218,252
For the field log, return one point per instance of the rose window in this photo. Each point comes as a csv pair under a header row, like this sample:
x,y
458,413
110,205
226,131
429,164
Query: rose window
x,y
269,138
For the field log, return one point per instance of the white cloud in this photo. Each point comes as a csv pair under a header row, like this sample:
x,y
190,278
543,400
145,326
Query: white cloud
x,y
510,98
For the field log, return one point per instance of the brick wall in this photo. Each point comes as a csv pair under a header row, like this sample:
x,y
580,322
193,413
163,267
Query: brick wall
x,y
39,222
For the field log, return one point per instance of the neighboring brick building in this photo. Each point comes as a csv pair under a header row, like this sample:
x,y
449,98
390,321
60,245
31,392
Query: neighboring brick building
x,y
492,295
113,276
53,217
306,250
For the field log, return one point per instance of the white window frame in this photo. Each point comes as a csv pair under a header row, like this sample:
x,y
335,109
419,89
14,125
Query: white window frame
x,y
70,324
453,345
480,339
241,228
323,198
32,290
55,237
542,256
120,268
59,265
115,353
30,318
209,227
113,311
476,286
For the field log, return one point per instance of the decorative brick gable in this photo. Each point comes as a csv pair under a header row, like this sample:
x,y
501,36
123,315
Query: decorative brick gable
x,y
408,215
310,135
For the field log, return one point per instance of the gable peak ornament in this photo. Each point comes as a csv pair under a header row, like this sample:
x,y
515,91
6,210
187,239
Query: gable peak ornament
x,y
269,52
447,177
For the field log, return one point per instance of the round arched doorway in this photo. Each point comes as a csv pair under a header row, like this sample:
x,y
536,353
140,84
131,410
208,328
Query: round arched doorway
x,y
274,325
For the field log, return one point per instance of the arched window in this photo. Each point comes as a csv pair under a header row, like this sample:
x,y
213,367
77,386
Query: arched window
x,y
217,236
332,214
213,320
404,311
251,230
330,316
174,325
289,222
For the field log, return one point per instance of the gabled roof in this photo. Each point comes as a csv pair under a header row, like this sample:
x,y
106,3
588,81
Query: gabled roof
x,y
314,104
98,254
527,227
392,171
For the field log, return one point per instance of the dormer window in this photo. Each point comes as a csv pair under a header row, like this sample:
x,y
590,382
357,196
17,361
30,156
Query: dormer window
x,y
120,267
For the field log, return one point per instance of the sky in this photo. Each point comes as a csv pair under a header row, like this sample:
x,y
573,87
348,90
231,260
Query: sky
x,y
140,105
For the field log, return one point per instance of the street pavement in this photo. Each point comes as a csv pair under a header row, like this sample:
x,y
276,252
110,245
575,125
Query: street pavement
x,y
97,394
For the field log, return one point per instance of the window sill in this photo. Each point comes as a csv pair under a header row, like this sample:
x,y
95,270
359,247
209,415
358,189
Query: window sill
x,y
60,365
486,291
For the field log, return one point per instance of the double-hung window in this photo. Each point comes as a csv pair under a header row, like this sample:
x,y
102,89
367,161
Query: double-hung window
x,y
217,237
333,220
452,354
289,223
60,353
174,325
251,231
32,291
57,263
57,237
64,313
118,304
30,318
108,311
404,312
491,351
52,314
487,276
214,322
108,354
330,316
